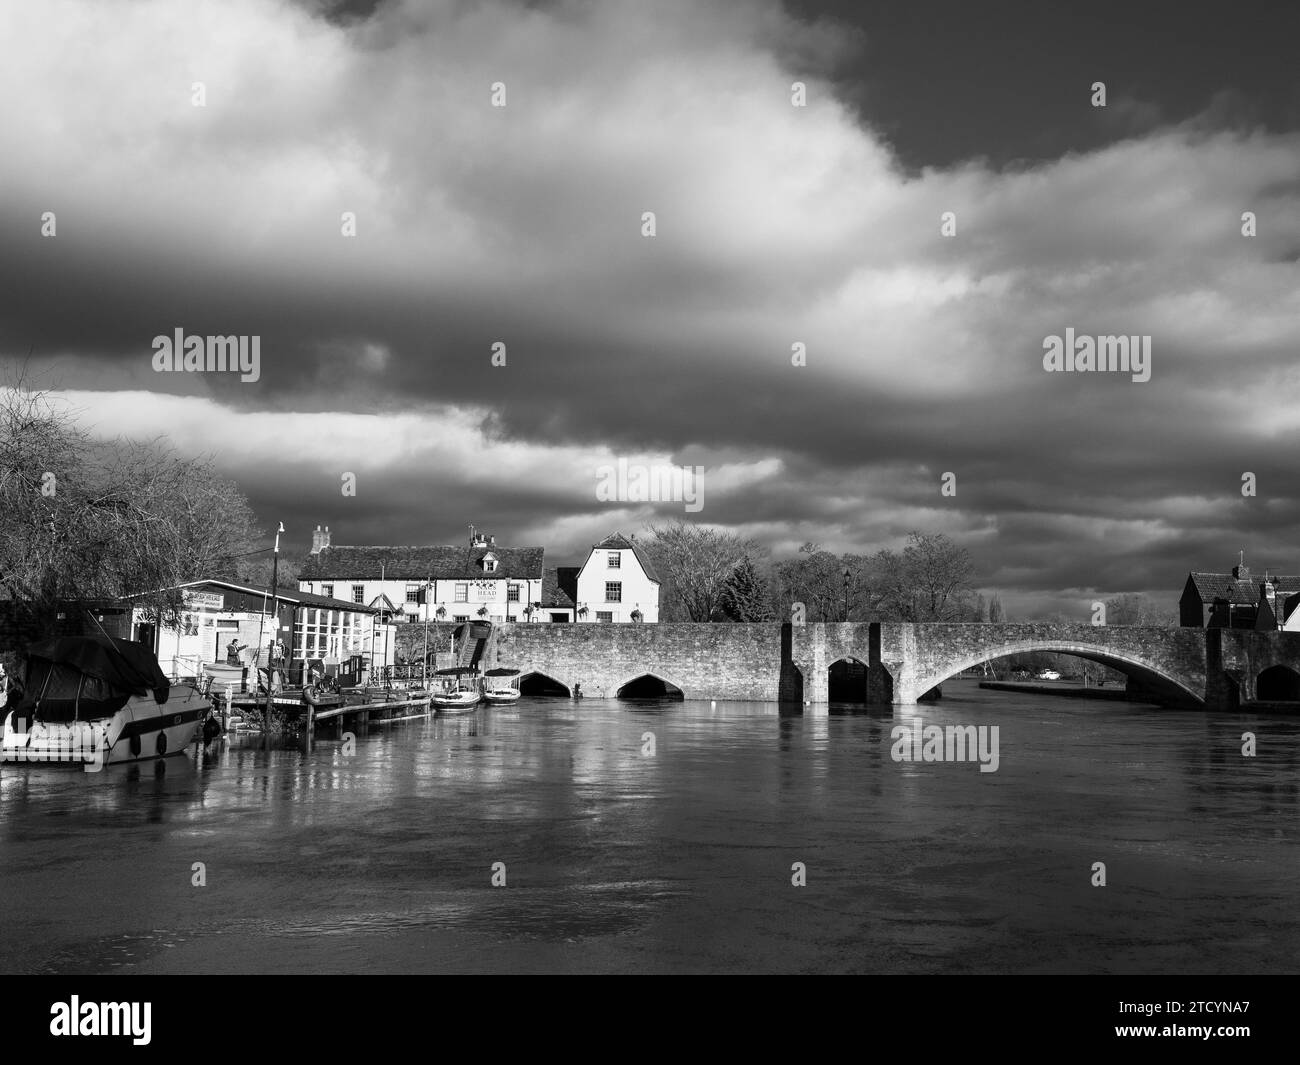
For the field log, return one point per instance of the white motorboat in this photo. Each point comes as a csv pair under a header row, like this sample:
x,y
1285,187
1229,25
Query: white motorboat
x,y
501,686
96,700
456,690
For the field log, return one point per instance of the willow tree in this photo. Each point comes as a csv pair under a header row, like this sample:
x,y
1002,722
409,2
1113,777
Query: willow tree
x,y
86,519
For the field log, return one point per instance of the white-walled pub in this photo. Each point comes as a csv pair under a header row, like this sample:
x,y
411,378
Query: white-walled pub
x,y
479,581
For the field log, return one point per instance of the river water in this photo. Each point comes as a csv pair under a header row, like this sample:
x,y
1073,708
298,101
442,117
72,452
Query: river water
x,y
621,860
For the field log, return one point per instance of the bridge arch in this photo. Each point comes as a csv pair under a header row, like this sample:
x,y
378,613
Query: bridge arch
x,y
846,680
1278,684
535,682
642,685
1147,673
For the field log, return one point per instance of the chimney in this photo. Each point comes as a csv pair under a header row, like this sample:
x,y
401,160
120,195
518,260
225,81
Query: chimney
x,y
315,540
492,541
1268,591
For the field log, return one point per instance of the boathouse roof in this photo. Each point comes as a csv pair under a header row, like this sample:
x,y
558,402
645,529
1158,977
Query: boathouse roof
x,y
286,593
439,563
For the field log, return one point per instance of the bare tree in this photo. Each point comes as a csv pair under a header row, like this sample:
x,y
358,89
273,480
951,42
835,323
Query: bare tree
x,y
696,562
1134,608
84,519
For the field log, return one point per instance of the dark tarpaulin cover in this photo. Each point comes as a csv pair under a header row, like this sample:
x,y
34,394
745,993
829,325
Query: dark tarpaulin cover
x,y
122,664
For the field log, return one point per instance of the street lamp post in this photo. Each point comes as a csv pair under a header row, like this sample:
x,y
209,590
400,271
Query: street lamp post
x,y
847,575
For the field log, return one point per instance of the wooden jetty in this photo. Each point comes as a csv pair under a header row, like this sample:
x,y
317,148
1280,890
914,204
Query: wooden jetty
x,y
366,711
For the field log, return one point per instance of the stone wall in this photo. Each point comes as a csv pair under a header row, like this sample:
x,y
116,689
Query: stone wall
x,y
774,661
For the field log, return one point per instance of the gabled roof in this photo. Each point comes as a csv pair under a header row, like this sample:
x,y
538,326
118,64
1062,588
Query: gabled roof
x,y
439,563
1215,586
619,542
555,591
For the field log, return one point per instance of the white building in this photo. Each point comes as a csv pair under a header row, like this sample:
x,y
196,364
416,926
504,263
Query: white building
x,y
216,613
437,583
616,582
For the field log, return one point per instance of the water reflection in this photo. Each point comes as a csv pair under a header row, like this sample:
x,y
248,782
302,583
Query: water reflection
x,y
672,855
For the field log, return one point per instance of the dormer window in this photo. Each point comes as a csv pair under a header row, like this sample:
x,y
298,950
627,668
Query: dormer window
x,y
489,563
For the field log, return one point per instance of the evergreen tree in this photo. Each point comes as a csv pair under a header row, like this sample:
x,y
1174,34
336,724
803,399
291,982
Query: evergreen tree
x,y
744,598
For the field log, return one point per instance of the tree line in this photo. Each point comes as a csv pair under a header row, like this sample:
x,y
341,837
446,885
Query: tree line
x,y
708,574
83,519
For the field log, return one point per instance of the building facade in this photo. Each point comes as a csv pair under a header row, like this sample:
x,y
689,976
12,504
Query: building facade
x,y
617,583
309,629
477,581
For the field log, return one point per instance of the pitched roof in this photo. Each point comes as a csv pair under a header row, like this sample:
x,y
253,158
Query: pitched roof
x,y
619,542
442,563
554,590
1212,586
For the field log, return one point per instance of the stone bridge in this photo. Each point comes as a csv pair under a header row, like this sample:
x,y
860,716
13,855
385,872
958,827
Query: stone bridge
x,y
1213,668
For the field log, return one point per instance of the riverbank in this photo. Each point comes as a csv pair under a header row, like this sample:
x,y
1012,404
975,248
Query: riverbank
x,y
1066,690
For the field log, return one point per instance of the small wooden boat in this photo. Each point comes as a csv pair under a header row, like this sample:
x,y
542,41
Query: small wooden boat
x,y
501,686
456,690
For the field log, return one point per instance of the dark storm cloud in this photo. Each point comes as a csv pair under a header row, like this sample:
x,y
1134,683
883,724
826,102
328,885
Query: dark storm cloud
x,y
776,225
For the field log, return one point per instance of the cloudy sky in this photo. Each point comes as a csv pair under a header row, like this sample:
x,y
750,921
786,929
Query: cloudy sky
x,y
775,225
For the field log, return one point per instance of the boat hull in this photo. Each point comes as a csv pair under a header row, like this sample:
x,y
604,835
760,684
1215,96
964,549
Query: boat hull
x,y
142,729
501,698
457,703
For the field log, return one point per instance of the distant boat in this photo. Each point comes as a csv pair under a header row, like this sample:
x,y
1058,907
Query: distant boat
x,y
501,686
98,700
456,690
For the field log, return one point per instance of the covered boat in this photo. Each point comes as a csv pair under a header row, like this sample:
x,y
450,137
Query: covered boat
x,y
456,690
501,686
97,700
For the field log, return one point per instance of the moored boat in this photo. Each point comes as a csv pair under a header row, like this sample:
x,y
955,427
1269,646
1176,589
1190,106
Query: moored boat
x,y
456,690
96,700
501,686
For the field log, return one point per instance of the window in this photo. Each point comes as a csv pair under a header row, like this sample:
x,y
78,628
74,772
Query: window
x,y
412,593
510,617
462,594
358,593
461,617
512,594
613,591
604,615
615,560
327,590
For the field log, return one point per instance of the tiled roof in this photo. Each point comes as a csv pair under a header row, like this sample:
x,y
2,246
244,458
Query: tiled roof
x,y
440,563
619,542
1212,586
553,593
566,578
